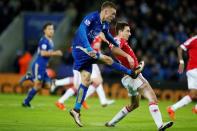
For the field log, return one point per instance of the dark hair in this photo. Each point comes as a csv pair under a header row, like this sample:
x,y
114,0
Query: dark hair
x,y
108,4
121,26
46,25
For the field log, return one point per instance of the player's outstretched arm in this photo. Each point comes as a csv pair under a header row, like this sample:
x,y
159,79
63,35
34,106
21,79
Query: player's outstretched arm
x,y
110,38
51,53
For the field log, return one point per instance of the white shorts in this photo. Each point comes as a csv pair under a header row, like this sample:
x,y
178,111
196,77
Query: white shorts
x,y
133,84
95,71
192,78
77,76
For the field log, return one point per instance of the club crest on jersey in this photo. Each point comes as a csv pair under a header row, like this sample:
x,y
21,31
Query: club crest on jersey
x,y
44,46
87,22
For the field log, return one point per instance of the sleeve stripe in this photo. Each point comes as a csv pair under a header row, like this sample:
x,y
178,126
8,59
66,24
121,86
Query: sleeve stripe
x,y
187,42
183,47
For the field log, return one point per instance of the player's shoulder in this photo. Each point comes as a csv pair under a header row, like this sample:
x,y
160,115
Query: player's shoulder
x,y
190,40
43,39
122,41
93,15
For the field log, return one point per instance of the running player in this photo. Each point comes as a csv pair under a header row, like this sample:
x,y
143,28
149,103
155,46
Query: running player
x,y
135,87
44,52
191,46
84,56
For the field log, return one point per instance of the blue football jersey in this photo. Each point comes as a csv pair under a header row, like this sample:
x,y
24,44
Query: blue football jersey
x,y
46,45
89,28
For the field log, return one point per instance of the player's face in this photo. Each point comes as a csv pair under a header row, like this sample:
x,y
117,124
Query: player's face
x,y
49,31
110,14
126,33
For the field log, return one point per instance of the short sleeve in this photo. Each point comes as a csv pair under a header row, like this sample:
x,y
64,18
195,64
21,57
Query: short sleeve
x,y
187,44
43,45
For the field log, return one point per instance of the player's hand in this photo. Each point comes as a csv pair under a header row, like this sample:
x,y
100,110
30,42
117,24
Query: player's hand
x,y
131,61
92,54
59,53
181,68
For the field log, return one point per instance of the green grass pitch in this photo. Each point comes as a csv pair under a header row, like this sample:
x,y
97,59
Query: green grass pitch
x,y
46,117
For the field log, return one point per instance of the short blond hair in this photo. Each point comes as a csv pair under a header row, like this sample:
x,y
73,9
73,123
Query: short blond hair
x,y
108,4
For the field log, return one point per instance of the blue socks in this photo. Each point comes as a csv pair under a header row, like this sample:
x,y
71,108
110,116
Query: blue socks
x,y
80,96
121,68
30,96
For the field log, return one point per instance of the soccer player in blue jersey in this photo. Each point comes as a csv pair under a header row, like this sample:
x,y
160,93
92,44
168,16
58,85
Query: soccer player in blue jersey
x,y
44,52
84,56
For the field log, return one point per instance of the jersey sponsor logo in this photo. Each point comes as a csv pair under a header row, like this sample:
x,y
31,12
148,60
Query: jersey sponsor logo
x,y
39,76
93,33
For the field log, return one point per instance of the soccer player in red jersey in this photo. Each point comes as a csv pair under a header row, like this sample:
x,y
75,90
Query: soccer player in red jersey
x,y
135,87
191,46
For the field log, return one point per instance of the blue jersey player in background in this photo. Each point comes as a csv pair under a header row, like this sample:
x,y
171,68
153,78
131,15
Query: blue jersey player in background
x,y
44,52
84,56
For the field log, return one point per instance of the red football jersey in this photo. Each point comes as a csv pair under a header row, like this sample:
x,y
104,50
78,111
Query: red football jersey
x,y
190,45
123,44
96,44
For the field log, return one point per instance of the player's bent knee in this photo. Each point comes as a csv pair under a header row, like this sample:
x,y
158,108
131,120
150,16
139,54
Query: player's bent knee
x,y
193,96
86,82
38,84
135,105
154,100
132,106
85,78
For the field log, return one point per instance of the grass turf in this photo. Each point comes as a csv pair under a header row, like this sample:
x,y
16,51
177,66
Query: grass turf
x,y
46,117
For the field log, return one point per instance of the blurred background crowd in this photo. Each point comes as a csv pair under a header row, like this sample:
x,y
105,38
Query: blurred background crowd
x,y
158,27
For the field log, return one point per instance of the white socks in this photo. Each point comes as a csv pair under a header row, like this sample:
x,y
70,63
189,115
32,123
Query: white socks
x,y
120,115
154,110
184,101
101,94
156,114
91,90
196,106
65,81
70,92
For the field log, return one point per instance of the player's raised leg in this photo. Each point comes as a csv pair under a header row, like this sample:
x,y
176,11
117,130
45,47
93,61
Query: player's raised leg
x,y
133,73
27,76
